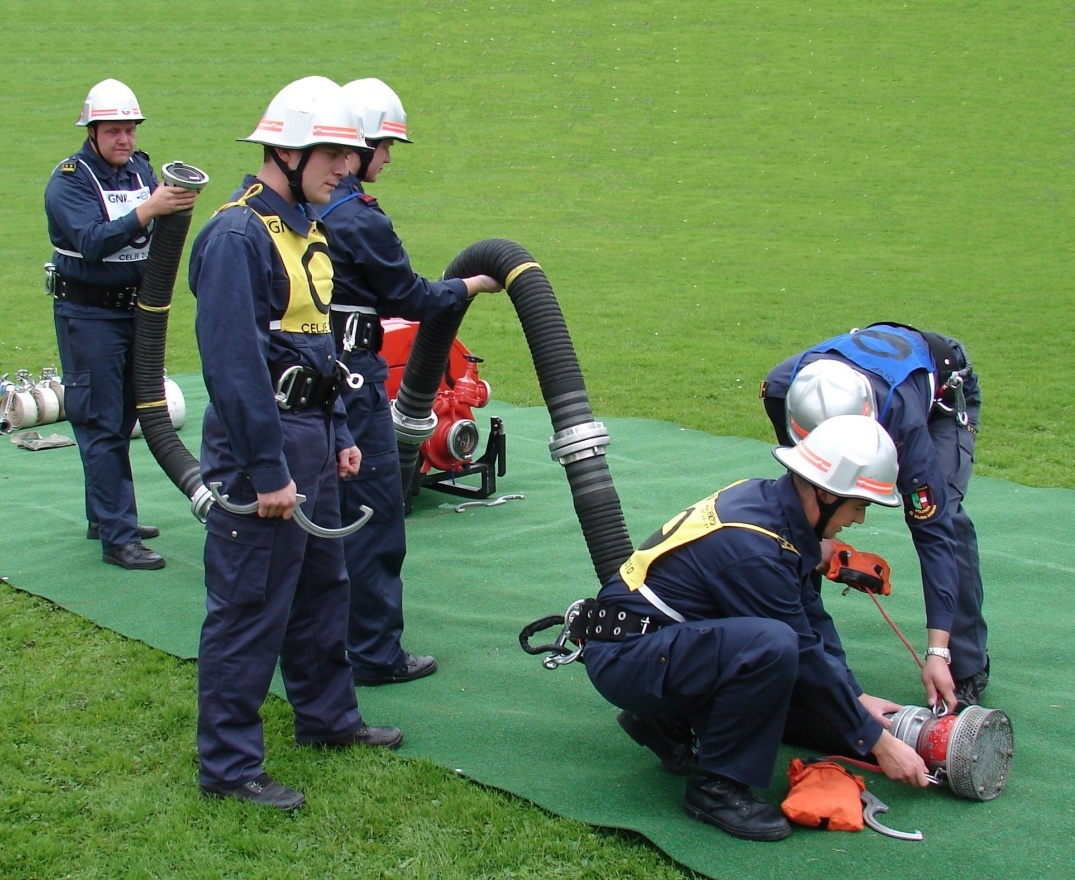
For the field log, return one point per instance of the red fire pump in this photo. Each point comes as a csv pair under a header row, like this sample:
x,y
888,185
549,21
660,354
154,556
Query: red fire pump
x,y
449,454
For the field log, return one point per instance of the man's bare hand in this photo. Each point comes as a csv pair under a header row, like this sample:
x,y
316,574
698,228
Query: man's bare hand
x,y
348,461
900,762
279,504
165,200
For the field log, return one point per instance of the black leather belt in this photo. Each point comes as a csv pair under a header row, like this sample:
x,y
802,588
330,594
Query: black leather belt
x,y
609,623
119,298
299,388
368,333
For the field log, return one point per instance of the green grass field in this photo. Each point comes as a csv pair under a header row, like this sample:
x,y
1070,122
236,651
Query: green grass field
x,y
708,186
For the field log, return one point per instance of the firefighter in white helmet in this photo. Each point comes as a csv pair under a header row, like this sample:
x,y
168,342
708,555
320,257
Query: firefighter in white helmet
x,y
275,427
922,389
712,632
100,204
373,280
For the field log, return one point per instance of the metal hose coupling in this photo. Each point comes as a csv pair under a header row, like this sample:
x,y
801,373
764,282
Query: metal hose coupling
x,y
301,519
411,430
187,176
971,750
579,442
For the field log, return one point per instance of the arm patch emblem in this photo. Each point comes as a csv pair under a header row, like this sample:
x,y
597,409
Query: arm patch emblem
x,y
920,504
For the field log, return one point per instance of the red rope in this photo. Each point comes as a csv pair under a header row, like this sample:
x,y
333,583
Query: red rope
x,y
895,628
865,765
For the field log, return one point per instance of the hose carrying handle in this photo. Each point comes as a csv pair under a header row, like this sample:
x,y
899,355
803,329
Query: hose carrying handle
x,y
301,518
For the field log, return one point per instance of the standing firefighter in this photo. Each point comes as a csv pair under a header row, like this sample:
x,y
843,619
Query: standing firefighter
x,y
100,205
713,628
374,279
274,427
922,389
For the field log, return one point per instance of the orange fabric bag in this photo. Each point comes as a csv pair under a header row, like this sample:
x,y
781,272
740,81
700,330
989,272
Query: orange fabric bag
x,y
823,794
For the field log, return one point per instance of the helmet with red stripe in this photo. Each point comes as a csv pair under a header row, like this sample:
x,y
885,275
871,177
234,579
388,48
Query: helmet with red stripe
x,y
823,389
379,108
850,456
110,101
305,113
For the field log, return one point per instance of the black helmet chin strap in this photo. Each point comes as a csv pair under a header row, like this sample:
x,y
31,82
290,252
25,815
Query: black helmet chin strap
x,y
365,157
826,510
294,178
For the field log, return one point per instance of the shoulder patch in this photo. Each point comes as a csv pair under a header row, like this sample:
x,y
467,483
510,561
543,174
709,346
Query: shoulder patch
x,y
68,167
368,199
920,504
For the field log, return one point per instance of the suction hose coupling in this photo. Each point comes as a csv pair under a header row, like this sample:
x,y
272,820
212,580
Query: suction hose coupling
x,y
579,442
413,430
201,500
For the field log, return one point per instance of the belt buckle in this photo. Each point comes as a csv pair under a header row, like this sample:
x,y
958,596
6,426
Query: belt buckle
x,y
285,385
52,279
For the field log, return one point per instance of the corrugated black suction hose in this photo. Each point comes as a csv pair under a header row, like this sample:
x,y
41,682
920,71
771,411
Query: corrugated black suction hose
x,y
578,442
150,337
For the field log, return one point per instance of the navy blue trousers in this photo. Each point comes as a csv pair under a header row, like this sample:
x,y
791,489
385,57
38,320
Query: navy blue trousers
x,y
955,451
375,552
273,593
98,380
731,679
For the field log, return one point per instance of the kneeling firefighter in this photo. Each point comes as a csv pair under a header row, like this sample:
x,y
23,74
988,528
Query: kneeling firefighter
x,y
713,629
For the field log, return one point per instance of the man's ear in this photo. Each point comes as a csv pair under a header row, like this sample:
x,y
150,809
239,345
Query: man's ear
x,y
827,497
286,156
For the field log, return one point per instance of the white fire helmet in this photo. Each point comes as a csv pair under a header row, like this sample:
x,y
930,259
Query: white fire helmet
x,y
379,108
110,101
305,113
824,389
849,456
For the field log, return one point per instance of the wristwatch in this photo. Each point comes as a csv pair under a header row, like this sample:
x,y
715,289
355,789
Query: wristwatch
x,y
940,652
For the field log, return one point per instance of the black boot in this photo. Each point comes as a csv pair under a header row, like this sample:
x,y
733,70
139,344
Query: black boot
x,y
969,690
264,790
733,808
668,736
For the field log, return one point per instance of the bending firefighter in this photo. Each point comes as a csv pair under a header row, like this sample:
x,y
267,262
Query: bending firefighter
x,y
922,390
713,629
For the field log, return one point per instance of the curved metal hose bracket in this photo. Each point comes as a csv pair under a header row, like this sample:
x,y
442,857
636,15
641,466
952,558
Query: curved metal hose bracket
x,y
222,499
301,519
322,532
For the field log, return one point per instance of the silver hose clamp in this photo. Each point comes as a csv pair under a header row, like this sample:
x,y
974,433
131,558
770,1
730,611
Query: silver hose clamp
x,y
413,431
200,502
579,442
